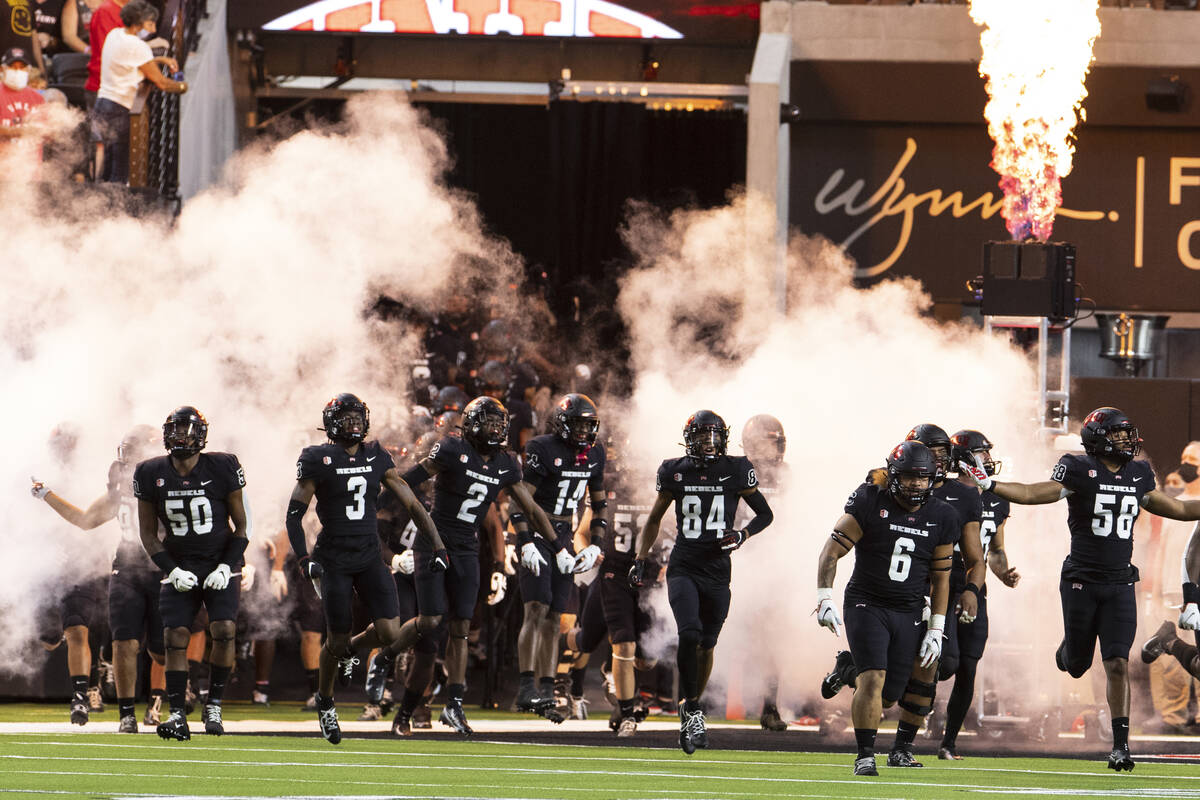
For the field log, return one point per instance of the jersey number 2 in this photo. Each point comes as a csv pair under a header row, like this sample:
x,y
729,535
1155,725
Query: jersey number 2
x,y
476,494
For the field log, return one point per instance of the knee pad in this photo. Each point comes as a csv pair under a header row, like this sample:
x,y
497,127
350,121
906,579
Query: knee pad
x,y
689,638
923,690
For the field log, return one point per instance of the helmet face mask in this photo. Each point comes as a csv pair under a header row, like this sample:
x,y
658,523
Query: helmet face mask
x,y
576,421
347,419
912,470
1108,433
485,424
936,439
185,433
973,448
763,440
705,437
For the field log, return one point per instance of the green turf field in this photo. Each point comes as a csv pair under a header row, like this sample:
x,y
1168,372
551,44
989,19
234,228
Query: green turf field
x,y
107,765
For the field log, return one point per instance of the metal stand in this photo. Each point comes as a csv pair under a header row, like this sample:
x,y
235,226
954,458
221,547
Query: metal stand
x,y
1054,390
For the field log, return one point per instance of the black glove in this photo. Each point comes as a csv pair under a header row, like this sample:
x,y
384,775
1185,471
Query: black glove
x,y
440,562
732,540
637,574
311,569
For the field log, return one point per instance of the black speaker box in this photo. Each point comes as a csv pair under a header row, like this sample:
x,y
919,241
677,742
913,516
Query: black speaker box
x,y
1029,279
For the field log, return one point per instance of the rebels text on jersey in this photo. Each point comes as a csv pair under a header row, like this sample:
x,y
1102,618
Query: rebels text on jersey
x,y
130,556
193,510
562,475
706,502
1102,508
995,510
968,506
347,486
464,488
891,560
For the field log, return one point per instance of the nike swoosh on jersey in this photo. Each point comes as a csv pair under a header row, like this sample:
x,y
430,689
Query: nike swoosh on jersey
x,y
503,471
950,498
1135,480
993,505
372,458
727,477
205,483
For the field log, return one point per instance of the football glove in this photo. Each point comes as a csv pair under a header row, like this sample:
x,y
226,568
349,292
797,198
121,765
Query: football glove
x,y
732,540
1189,617
931,645
311,569
278,585
499,586
440,561
39,489
182,580
565,561
218,579
976,474
532,558
247,577
587,558
404,563
637,574
827,614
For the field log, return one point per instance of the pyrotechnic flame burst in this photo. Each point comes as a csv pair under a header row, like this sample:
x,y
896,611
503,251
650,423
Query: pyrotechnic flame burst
x,y
1036,55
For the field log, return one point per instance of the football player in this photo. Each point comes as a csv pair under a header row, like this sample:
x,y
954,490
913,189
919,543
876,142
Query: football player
x,y
193,497
471,470
705,487
1105,489
133,586
904,539
1166,640
973,447
560,468
346,474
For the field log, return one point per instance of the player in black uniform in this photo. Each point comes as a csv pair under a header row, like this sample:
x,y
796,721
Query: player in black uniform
x,y
192,497
1106,489
133,586
904,539
472,471
974,448
346,475
705,487
560,468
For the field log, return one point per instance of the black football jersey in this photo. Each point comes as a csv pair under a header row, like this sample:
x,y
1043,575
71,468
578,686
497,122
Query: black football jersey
x,y
891,560
706,503
397,530
995,510
628,509
347,486
465,488
193,510
130,555
561,475
968,506
1102,508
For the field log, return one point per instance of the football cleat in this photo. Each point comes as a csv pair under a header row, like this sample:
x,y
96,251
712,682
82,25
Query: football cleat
x,y
345,668
212,720
553,713
311,703
576,707
1157,644
128,724
402,724
1119,759
529,700
330,729
377,675
153,711
842,674
901,757
626,728
692,731
948,754
865,766
95,699
260,698
453,716
174,727
771,721
370,713
79,709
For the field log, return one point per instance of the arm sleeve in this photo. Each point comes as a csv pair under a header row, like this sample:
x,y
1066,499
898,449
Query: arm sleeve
x,y
763,515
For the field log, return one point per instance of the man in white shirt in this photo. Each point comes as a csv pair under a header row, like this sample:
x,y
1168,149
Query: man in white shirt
x,y
125,61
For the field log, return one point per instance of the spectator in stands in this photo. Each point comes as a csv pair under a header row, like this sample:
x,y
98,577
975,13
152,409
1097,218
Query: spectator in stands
x,y
76,22
17,99
47,25
105,19
16,30
126,61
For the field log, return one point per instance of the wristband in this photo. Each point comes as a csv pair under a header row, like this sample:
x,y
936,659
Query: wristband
x,y
1191,593
970,587
164,561
937,622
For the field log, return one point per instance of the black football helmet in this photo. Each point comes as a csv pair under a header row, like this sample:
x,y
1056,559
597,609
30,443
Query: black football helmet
x,y
763,440
347,419
493,377
973,447
911,457
703,430
185,433
576,421
136,445
450,398
485,424
1099,428
932,436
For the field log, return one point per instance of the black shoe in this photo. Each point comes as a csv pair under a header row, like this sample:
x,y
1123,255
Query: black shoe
x,y
842,674
212,720
377,675
1157,644
402,724
866,766
128,724
771,721
529,700
345,668
79,709
948,754
1119,759
692,731
453,716
328,720
902,758
174,727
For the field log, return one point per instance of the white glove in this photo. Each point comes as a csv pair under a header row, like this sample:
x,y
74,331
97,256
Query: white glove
x,y
247,577
587,558
511,559
218,579
1189,618
182,580
827,615
499,586
931,645
404,563
565,561
279,588
532,559
976,474
39,489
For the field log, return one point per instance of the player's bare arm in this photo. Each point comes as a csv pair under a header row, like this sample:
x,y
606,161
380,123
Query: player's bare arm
x,y
997,559
533,512
972,550
846,534
939,579
650,530
1165,506
99,512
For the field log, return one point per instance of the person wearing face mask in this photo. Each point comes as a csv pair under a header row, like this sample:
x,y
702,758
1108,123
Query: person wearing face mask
x,y
126,61
17,100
